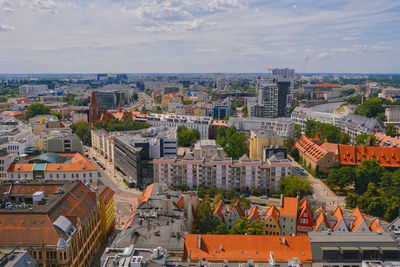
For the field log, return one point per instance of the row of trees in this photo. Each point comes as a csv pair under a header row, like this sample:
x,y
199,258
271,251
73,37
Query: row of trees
x,y
326,131
292,186
187,137
234,142
40,109
372,187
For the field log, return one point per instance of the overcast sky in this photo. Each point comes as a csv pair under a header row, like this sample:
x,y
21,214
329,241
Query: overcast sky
x,y
85,36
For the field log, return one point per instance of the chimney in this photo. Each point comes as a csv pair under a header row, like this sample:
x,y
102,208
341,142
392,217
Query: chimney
x,y
281,201
199,242
283,241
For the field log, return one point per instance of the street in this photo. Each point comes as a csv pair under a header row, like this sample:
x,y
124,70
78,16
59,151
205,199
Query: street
x,y
321,191
125,198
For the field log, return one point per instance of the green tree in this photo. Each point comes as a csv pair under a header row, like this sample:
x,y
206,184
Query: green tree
x,y
291,186
246,227
310,126
377,206
391,130
381,117
83,130
368,171
217,199
362,139
187,137
205,221
221,229
239,102
187,102
297,130
341,177
237,145
37,109
57,114
344,138
370,108
158,99
392,208
135,96
351,200
245,111
289,143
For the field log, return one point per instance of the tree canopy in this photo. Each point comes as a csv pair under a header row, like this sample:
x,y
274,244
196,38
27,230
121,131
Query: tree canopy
x,y
327,132
291,186
361,139
246,227
187,137
234,142
205,221
37,109
370,108
391,130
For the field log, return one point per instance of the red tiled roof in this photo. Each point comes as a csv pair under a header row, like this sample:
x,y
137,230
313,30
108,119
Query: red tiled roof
x,y
274,212
321,220
245,247
180,202
254,214
107,194
238,208
326,85
386,141
146,194
289,207
218,210
375,225
331,147
28,189
20,167
355,155
312,150
359,219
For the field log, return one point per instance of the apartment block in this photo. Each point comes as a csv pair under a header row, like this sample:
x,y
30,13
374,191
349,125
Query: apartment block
x,y
220,172
283,127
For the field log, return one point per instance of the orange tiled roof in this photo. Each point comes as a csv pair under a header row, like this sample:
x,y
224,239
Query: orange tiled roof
x,y
146,193
359,219
375,225
312,150
386,141
219,122
245,247
180,202
238,208
355,155
339,215
274,212
107,194
24,189
20,167
12,113
254,213
321,220
327,85
218,210
331,147
289,207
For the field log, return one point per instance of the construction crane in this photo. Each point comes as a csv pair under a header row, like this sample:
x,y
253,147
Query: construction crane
x,y
301,77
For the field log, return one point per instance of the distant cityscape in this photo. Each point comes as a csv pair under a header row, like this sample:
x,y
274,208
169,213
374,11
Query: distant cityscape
x,y
275,168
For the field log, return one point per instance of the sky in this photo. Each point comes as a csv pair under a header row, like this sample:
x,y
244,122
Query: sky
x,y
199,36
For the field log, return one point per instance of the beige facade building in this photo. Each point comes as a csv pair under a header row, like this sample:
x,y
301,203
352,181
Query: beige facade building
x,y
259,139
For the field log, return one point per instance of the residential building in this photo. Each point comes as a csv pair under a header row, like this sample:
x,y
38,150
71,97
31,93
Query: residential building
x,y
321,224
375,225
160,215
355,155
221,111
5,162
355,125
305,222
64,143
283,127
248,249
207,149
288,215
229,217
57,222
15,114
220,172
390,93
213,131
344,249
32,89
64,110
301,115
259,139
50,166
271,222
81,115
314,156
202,124
384,140
392,114
107,215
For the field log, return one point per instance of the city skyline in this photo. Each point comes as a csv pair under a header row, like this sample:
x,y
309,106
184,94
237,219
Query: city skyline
x,y
193,36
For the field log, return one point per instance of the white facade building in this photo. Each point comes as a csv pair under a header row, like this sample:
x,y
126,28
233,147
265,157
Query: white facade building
x,y
202,124
15,136
32,89
300,116
283,127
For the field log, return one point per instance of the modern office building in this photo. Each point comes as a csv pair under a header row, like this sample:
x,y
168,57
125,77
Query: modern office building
x,y
111,99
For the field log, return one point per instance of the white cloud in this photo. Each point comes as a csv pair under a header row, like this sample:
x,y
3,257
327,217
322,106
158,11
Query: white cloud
x,y
6,6
4,28
47,6
294,6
